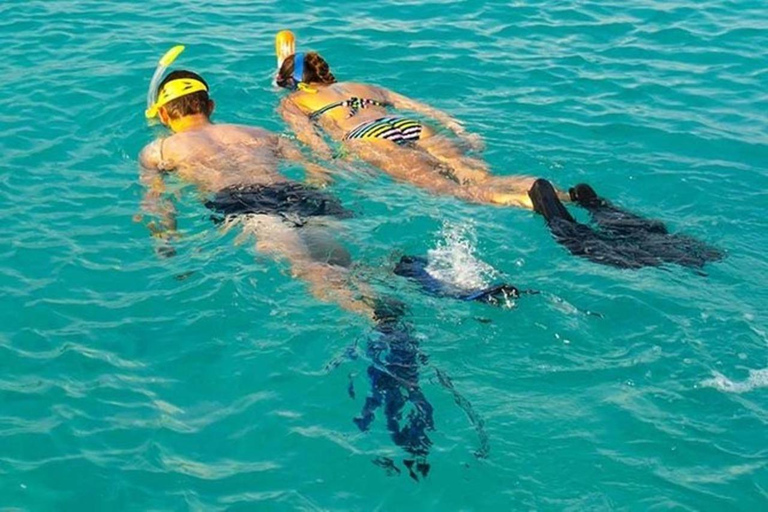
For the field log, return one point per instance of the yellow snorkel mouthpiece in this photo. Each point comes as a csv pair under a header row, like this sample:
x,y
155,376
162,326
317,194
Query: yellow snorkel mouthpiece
x,y
171,55
165,61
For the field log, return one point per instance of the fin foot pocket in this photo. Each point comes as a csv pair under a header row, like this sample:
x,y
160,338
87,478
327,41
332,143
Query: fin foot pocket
x,y
546,203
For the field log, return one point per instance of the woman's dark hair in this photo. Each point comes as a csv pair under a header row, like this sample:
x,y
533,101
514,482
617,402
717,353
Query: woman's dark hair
x,y
196,103
316,70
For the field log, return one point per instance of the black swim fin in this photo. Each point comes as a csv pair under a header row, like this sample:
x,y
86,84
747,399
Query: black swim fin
x,y
395,361
610,217
415,269
582,240
648,233
624,240
546,202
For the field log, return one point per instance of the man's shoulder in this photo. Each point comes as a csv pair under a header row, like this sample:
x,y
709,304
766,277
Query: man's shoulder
x,y
150,155
253,131
158,154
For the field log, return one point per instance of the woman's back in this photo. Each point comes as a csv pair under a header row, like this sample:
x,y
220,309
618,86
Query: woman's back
x,y
340,107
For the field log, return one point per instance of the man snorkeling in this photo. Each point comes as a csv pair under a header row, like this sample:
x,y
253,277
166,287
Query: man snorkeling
x,y
360,117
237,167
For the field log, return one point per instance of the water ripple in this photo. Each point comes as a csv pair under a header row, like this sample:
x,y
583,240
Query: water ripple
x,y
204,380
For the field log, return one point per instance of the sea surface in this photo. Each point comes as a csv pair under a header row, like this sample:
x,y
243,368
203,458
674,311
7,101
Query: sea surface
x,y
213,380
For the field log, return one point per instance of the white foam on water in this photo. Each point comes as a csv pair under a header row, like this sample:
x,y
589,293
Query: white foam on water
x,y
757,379
454,259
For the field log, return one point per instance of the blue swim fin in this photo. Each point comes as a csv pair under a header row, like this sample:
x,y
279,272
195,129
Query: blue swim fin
x,y
415,269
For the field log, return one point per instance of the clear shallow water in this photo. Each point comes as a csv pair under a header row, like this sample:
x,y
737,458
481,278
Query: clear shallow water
x,y
125,386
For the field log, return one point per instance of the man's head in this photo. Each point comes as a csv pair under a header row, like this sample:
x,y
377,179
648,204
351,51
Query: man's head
x,y
182,94
315,71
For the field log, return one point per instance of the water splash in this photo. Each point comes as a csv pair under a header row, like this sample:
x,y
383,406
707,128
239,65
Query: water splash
x,y
757,379
454,260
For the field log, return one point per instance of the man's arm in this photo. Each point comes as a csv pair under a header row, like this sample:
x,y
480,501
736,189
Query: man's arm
x,y
316,175
303,128
155,203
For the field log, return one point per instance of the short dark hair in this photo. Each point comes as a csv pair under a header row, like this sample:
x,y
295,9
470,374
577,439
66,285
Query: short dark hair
x,y
196,103
316,70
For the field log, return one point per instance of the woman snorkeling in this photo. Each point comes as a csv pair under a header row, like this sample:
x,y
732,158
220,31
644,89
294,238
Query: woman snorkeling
x,y
360,116
369,121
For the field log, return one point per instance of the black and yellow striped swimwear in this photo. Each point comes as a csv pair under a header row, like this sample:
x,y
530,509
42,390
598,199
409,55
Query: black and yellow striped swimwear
x,y
399,130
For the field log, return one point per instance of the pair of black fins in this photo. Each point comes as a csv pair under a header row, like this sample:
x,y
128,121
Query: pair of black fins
x,y
622,239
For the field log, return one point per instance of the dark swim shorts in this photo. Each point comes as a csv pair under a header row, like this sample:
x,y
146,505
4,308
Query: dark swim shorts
x,y
292,201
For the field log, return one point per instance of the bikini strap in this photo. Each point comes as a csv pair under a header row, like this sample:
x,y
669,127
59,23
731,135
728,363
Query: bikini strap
x,y
317,113
354,104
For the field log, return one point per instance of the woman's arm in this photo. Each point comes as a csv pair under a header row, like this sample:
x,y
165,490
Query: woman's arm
x,y
303,128
402,102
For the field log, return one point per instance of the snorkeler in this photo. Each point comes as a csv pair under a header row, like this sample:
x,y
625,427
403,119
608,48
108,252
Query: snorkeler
x,y
360,117
237,168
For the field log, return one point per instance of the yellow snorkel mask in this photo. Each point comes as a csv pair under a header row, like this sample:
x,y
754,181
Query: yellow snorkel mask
x,y
172,90
285,46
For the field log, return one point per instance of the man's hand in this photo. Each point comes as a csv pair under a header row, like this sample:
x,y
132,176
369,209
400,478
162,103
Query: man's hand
x,y
163,234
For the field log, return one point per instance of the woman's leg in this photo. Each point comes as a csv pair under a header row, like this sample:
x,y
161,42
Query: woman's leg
x,y
468,169
415,165
505,190
409,164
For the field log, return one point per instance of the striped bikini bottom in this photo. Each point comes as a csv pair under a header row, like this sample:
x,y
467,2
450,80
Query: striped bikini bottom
x,y
399,130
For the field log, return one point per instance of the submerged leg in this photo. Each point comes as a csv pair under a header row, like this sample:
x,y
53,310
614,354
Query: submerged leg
x,y
467,169
416,166
394,376
409,164
320,267
501,190
444,171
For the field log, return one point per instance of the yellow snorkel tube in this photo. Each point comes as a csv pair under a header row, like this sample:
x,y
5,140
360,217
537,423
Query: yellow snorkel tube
x,y
285,46
165,61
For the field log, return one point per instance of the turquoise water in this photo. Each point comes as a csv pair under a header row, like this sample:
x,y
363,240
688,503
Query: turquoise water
x,y
203,381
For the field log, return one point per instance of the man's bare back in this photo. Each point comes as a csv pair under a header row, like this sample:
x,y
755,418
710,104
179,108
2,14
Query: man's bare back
x,y
218,156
